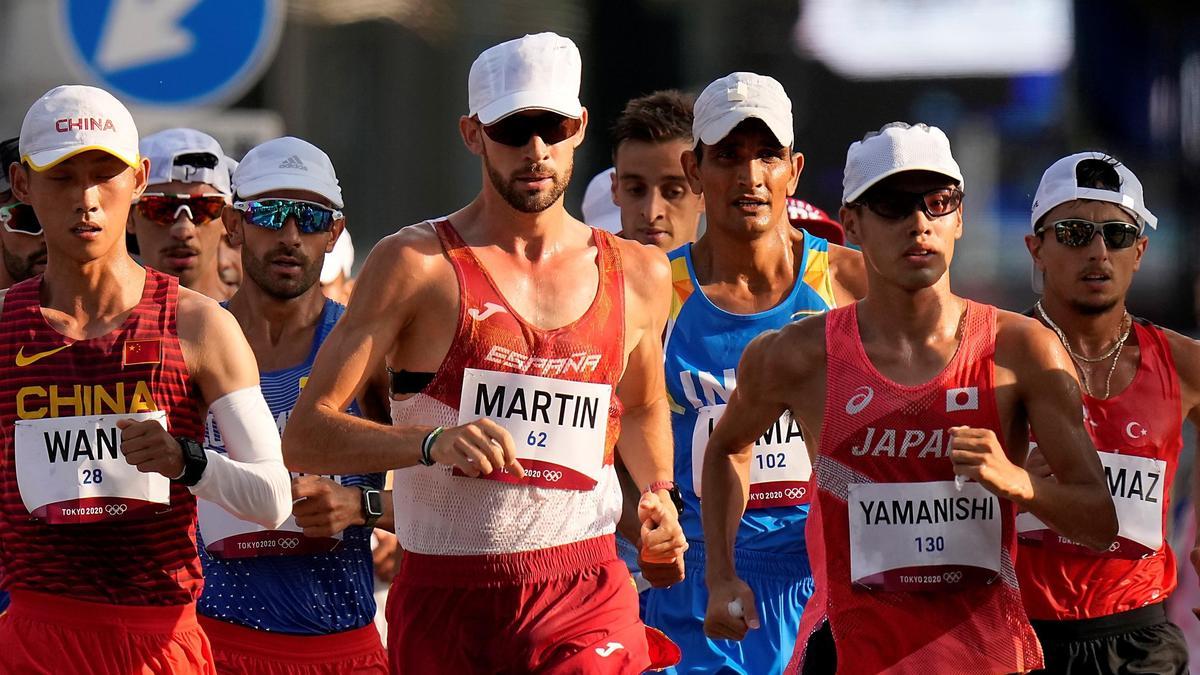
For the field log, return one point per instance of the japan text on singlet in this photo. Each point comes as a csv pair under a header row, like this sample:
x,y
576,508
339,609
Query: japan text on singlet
x,y
911,573
703,346
279,580
104,532
553,390
1138,435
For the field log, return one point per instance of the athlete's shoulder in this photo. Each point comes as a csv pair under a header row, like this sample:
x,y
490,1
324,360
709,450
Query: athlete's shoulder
x,y
848,269
1024,342
1185,352
652,269
793,351
201,317
402,265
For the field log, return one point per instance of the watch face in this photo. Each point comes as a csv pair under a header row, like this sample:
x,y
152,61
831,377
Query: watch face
x,y
374,503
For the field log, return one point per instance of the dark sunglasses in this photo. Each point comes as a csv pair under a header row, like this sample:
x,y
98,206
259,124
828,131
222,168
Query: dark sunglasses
x,y
1077,232
516,130
19,218
897,204
164,209
273,214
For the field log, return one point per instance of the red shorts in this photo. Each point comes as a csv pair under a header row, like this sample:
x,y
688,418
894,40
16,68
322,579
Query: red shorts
x,y
240,650
44,634
567,609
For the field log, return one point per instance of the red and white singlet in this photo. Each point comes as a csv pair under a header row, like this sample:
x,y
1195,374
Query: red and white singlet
x,y
912,574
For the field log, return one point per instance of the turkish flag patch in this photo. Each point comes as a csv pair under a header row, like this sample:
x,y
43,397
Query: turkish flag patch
x,y
142,352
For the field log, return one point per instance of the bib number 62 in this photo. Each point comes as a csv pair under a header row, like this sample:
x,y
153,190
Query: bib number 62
x,y
536,439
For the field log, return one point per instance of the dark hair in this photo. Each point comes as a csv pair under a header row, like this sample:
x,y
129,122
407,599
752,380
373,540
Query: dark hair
x,y
655,118
1099,173
10,152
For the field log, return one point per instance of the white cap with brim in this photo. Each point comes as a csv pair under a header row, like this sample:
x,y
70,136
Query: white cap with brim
x,y
72,119
165,147
287,163
896,148
535,72
598,207
737,97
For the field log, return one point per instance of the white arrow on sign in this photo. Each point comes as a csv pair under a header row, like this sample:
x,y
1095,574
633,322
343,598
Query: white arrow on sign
x,y
144,31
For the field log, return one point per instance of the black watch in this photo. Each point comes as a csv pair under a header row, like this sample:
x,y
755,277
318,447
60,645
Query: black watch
x,y
195,460
372,505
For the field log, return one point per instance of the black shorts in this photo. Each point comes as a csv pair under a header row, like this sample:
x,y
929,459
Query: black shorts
x,y
1141,640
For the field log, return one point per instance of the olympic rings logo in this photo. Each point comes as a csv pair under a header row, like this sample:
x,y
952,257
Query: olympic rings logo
x,y
953,577
552,476
291,542
795,493
1113,548
116,509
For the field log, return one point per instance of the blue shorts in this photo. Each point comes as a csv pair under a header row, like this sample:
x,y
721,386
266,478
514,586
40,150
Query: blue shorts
x,y
782,584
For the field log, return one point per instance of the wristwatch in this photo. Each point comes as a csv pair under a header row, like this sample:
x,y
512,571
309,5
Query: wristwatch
x,y
672,489
195,460
372,505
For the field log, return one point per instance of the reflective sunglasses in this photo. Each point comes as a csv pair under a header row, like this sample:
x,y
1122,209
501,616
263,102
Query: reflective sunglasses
x,y
272,214
897,204
1077,232
19,218
516,130
164,209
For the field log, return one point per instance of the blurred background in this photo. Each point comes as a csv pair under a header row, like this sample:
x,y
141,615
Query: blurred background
x,y
380,85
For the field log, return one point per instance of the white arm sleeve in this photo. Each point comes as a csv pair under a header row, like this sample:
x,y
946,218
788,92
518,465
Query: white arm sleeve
x,y
251,482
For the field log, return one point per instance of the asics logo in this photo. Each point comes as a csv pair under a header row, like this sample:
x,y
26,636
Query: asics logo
x,y
489,308
608,649
115,509
952,577
861,399
23,360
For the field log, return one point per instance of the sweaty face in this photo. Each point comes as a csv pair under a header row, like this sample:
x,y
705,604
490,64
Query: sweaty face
x,y
1092,278
82,202
913,251
746,179
24,254
533,177
286,262
183,248
657,205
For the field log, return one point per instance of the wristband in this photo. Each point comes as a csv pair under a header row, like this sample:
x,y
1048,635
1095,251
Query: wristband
x,y
427,446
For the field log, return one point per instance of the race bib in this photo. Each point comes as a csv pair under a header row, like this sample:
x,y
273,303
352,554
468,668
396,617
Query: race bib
x,y
1136,484
228,537
923,536
70,470
779,470
558,426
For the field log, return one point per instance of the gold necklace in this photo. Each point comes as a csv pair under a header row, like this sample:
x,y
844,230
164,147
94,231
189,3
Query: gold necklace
x,y
1114,352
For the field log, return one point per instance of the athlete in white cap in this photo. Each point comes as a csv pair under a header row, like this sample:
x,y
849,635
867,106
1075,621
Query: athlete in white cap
x,y
177,220
335,272
915,406
1102,612
22,245
106,372
522,343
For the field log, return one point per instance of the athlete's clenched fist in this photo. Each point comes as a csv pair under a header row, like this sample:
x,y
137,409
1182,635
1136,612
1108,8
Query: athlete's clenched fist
x,y
324,507
977,454
149,447
477,449
662,537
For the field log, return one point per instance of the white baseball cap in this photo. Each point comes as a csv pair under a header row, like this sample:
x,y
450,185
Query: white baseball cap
x,y
895,148
535,72
74,118
729,101
1061,185
340,260
287,163
165,148
598,207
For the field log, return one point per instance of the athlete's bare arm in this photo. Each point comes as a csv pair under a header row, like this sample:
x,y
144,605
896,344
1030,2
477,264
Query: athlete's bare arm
x,y
404,276
1186,354
849,272
779,371
1036,382
646,447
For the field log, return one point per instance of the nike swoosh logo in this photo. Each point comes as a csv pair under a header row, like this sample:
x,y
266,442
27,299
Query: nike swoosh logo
x,y
23,360
489,308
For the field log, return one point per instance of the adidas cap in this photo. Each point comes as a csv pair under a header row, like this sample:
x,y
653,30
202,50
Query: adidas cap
x,y
287,163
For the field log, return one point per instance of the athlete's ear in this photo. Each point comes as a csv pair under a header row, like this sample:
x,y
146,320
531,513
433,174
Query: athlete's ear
x,y
231,218
334,233
691,171
849,217
472,134
1139,251
797,160
582,133
141,177
1034,243
18,177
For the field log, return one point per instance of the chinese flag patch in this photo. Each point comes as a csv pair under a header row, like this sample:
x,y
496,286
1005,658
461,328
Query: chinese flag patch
x,y
142,352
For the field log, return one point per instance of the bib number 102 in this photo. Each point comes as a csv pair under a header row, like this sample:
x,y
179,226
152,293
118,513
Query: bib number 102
x,y
772,460
91,477
930,544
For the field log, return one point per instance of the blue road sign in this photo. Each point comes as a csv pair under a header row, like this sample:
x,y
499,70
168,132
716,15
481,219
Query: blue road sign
x,y
172,52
